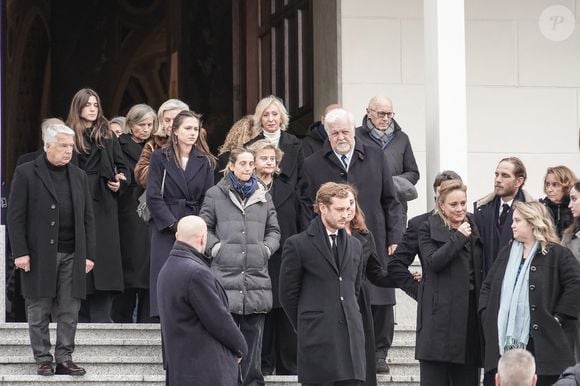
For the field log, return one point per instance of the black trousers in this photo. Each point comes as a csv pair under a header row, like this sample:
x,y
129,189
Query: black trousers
x,y
279,344
448,374
131,306
384,326
96,308
252,327
64,309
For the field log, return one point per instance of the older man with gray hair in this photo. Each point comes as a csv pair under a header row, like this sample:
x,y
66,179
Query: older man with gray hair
x,y
516,368
52,234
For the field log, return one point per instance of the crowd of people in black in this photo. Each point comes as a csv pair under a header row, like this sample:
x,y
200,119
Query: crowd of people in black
x,y
307,241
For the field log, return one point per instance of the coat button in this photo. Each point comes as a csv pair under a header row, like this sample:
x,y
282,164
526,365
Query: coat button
x,y
341,298
52,241
533,268
535,327
241,292
52,223
340,278
53,206
533,307
532,287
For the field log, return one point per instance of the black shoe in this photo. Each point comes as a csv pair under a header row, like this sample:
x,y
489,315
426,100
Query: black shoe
x,y
45,368
382,367
69,368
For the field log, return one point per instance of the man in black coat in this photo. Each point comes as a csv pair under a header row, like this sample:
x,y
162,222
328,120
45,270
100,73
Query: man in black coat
x,y
316,134
344,160
379,128
203,345
320,280
52,234
408,248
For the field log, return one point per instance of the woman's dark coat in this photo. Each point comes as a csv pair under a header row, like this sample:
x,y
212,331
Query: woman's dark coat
x,y
33,227
320,300
202,342
183,194
554,289
444,292
101,164
134,232
375,273
370,175
561,214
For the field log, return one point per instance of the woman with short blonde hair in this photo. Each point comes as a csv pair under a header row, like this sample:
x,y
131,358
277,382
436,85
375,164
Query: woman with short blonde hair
x,y
557,184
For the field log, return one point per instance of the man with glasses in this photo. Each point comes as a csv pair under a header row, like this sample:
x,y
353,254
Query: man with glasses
x,y
380,129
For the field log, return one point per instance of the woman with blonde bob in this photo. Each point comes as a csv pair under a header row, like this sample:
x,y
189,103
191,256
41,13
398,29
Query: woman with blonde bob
x,y
530,293
557,184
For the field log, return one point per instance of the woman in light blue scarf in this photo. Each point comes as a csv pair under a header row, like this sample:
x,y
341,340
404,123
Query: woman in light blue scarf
x,y
531,291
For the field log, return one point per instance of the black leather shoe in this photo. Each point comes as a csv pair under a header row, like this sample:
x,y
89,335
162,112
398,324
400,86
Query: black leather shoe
x,y
382,367
69,368
45,368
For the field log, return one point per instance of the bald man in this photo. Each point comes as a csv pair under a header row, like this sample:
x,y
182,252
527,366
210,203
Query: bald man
x,y
316,134
202,344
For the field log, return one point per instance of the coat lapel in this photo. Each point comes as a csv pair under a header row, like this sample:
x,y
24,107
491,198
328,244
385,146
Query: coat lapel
x,y
175,172
281,191
318,236
290,149
42,171
194,165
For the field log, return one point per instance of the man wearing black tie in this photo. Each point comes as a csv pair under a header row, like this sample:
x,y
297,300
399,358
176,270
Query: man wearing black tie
x,y
320,279
493,214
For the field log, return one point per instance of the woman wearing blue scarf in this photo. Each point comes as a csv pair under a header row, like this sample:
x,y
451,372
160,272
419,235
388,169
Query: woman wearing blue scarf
x,y
531,291
243,233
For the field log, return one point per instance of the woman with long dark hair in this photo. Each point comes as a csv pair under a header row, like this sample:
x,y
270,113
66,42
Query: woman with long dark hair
x,y
178,178
98,153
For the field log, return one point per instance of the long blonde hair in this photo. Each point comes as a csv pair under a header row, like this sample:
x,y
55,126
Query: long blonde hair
x,y
541,222
240,133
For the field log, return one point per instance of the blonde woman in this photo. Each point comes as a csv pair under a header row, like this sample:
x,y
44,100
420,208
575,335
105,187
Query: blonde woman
x,y
557,184
530,293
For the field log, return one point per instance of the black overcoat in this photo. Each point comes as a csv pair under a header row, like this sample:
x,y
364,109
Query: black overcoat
x,y
134,232
33,227
183,194
554,287
101,164
443,298
201,340
370,175
287,206
320,300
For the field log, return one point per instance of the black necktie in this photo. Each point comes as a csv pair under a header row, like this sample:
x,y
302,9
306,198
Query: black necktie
x,y
334,248
343,159
505,209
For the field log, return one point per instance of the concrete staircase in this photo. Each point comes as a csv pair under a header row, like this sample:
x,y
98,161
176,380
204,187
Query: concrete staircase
x,y
123,355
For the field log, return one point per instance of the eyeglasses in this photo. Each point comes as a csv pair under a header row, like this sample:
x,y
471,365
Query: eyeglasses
x,y
382,114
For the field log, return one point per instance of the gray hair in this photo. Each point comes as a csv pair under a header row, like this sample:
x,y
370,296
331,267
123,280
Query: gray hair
x,y
51,131
170,104
336,115
121,122
516,368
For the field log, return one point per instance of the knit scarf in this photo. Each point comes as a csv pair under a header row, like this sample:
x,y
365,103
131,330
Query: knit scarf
x,y
382,138
244,189
513,319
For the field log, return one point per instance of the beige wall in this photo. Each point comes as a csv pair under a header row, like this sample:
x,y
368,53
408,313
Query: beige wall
x,y
523,90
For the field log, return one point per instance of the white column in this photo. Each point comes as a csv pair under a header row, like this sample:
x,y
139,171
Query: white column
x,y
445,106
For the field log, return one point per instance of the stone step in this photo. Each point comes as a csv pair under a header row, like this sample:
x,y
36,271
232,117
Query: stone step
x,y
382,380
89,379
94,365
118,331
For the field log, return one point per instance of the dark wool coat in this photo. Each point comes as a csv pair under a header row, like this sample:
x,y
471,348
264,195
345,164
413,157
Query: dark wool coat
x,y
370,175
443,298
201,340
320,300
400,157
101,164
240,240
315,137
554,289
134,232
33,227
287,207
405,254
570,377
183,194
561,214
486,215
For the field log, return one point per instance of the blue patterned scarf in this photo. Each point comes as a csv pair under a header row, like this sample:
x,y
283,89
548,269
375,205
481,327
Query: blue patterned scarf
x,y
245,189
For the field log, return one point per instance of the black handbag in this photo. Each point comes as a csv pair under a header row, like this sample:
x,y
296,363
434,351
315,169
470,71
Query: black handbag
x,y
142,209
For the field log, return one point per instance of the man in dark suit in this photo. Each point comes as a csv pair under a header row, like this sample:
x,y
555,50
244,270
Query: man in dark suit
x,y
408,248
320,279
52,234
344,160
203,345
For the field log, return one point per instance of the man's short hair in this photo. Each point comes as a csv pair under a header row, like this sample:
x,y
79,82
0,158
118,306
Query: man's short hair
x,y
336,115
519,167
516,368
445,175
328,191
49,135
